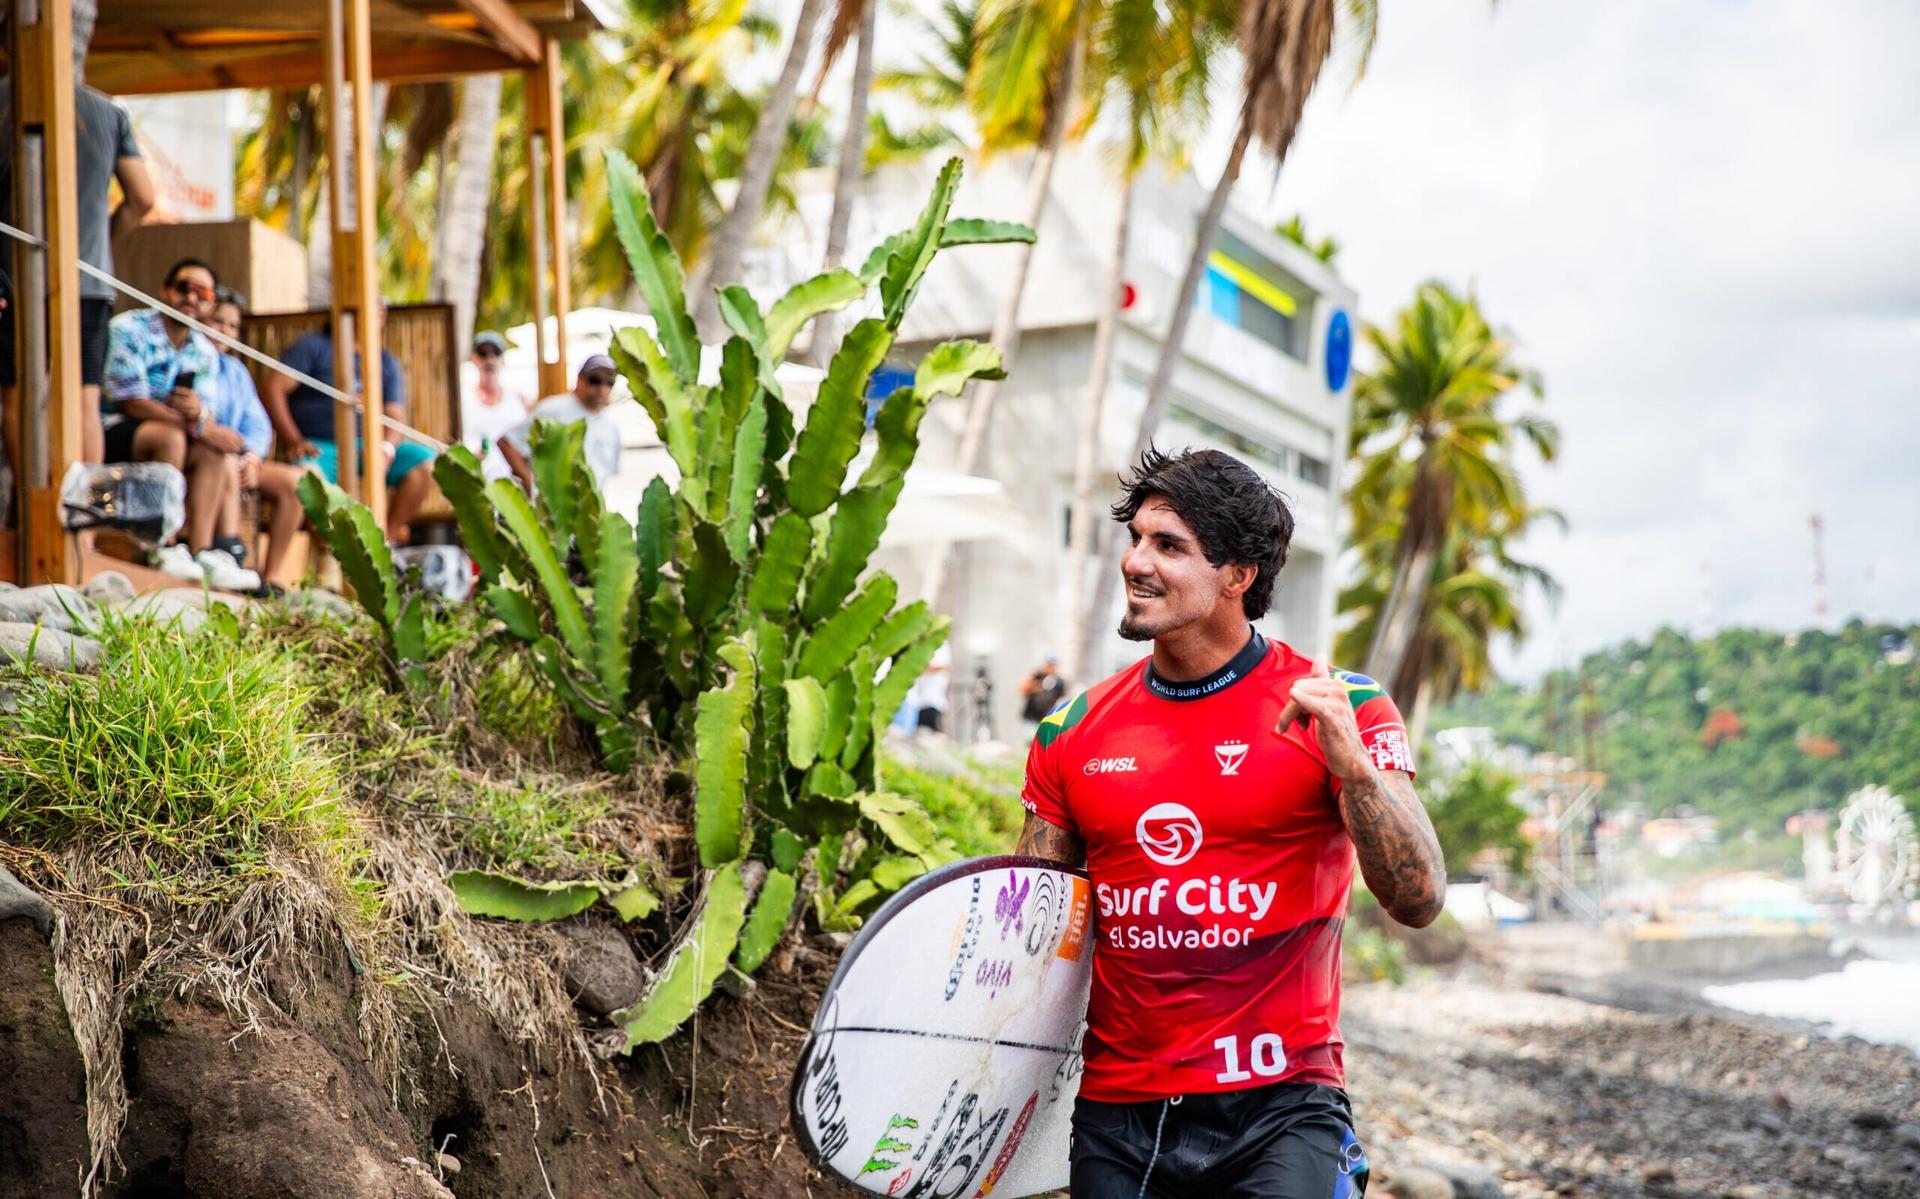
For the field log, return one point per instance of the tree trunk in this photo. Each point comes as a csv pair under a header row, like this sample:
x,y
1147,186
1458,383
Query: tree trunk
x,y
1082,635
1422,709
465,204
1429,506
825,335
756,173
1160,390
1006,322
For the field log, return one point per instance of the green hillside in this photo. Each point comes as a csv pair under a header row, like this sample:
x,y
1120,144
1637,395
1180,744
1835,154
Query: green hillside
x,y
1748,725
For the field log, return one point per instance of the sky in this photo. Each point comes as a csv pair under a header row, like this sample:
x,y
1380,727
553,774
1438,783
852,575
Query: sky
x,y
1700,220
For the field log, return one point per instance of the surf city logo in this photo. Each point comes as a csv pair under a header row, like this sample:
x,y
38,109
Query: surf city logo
x,y
1169,833
1230,755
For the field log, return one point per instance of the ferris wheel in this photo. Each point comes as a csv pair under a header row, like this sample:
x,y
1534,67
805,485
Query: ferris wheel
x,y
1877,854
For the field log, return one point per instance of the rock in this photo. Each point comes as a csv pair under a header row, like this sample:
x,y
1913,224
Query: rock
x,y
1746,1190
53,605
162,608
1871,1120
1908,1135
19,900
109,588
449,1164
320,603
47,647
205,597
43,1085
1848,1158
1657,1174
1781,1103
1413,1182
1470,1182
602,973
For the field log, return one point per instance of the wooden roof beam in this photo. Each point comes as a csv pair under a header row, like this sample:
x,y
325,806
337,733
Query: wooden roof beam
x,y
513,32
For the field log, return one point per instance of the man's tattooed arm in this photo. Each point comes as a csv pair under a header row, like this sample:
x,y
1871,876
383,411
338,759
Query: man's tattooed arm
x,y
1044,839
1399,854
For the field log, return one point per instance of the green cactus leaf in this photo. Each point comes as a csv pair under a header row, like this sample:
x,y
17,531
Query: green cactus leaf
x,y
711,575
902,627
488,893
653,534
669,400
948,367
836,640
558,459
635,901
839,715
767,921
316,498
908,262
615,577
908,665
656,268
827,781
697,963
788,849
783,557
893,873
832,434
975,231
742,314
562,600
823,293
723,726
464,484
860,728
743,488
904,822
877,258
806,720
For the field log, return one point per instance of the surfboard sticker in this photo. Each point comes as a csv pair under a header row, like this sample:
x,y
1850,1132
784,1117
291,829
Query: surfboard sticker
x,y
945,1056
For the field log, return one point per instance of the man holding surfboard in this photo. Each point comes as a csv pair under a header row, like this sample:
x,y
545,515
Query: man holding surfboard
x,y
1218,793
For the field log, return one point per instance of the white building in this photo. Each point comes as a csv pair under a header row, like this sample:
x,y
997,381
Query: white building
x,y
1253,381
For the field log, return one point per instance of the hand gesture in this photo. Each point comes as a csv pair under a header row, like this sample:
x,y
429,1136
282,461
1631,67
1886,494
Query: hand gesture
x,y
249,471
305,451
186,402
223,439
1321,704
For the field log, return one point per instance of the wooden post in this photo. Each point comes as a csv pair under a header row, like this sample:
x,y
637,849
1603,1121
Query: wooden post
x,y
356,275
48,296
547,208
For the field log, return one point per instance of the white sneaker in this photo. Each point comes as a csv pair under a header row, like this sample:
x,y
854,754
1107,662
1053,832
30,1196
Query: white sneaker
x,y
226,574
177,561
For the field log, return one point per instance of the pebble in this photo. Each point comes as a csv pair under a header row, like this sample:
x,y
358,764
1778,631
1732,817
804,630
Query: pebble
x,y
449,1164
1416,1183
162,608
47,647
1470,1182
1848,1158
1871,1120
54,605
18,899
601,971
1908,1135
1657,1174
109,587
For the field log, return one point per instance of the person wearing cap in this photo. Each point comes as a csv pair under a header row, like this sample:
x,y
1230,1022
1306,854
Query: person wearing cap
x,y
303,423
587,402
1042,691
488,405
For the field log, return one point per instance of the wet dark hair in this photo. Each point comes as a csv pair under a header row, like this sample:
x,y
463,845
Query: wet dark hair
x,y
173,272
1230,508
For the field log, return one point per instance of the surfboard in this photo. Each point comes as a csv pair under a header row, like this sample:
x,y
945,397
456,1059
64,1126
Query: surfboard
x,y
945,1055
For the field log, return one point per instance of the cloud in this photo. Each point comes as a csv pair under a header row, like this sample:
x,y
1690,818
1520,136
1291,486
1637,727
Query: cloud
x,y
1698,220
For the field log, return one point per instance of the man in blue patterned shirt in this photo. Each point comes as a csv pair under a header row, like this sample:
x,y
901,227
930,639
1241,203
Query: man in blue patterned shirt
x,y
238,407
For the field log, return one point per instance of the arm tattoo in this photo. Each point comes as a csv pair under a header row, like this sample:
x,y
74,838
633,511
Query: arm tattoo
x,y
1399,854
1044,839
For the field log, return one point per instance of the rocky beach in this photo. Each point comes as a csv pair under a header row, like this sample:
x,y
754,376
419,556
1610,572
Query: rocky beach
x,y
1492,1077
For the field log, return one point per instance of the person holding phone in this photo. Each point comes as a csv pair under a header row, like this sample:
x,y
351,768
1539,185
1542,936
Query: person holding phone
x,y
161,383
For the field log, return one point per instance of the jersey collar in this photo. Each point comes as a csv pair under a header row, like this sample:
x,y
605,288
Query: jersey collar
x,y
1238,667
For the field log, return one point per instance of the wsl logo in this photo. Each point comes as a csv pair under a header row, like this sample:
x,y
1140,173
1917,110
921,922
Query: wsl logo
x,y
1169,833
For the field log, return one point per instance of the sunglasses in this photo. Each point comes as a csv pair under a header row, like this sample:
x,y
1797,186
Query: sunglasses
x,y
199,291
600,380
486,352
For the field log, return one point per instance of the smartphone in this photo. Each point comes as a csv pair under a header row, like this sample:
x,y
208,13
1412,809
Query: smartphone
x,y
185,380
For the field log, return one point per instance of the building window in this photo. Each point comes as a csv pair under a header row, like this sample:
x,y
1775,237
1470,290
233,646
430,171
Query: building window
x,y
1314,471
1232,439
1249,298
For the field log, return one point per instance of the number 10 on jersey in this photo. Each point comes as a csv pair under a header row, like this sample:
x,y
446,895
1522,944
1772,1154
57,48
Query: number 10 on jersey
x,y
1269,1060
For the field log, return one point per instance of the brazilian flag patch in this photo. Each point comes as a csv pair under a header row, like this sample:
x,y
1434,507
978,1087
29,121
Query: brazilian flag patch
x,y
1064,716
1359,687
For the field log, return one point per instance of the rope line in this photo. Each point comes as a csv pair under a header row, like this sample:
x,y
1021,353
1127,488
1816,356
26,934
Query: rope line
x,y
271,363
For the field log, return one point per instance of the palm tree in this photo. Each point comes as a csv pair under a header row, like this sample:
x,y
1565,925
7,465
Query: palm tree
x,y
463,204
756,170
1295,230
853,20
1283,45
1155,63
1444,449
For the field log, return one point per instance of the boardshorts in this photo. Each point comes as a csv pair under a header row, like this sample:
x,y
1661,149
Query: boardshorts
x,y
1282,1141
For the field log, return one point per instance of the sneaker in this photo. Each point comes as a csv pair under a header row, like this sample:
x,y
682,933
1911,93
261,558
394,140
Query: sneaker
x,y
176,561
226,574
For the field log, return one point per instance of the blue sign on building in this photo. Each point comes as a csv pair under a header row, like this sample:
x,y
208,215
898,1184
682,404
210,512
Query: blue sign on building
x,y
1339,350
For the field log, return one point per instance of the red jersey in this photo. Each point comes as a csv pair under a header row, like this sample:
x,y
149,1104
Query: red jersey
x,y
1220,868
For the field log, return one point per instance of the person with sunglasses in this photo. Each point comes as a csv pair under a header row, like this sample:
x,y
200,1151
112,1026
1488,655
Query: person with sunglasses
x,y
587,402
162,380
489,405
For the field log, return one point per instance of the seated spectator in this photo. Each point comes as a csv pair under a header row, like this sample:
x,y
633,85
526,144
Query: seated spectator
x,y
303,423
237,406
592,391
161,380
488,407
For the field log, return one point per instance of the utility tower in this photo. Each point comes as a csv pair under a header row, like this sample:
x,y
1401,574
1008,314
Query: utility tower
x,y
1819,571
